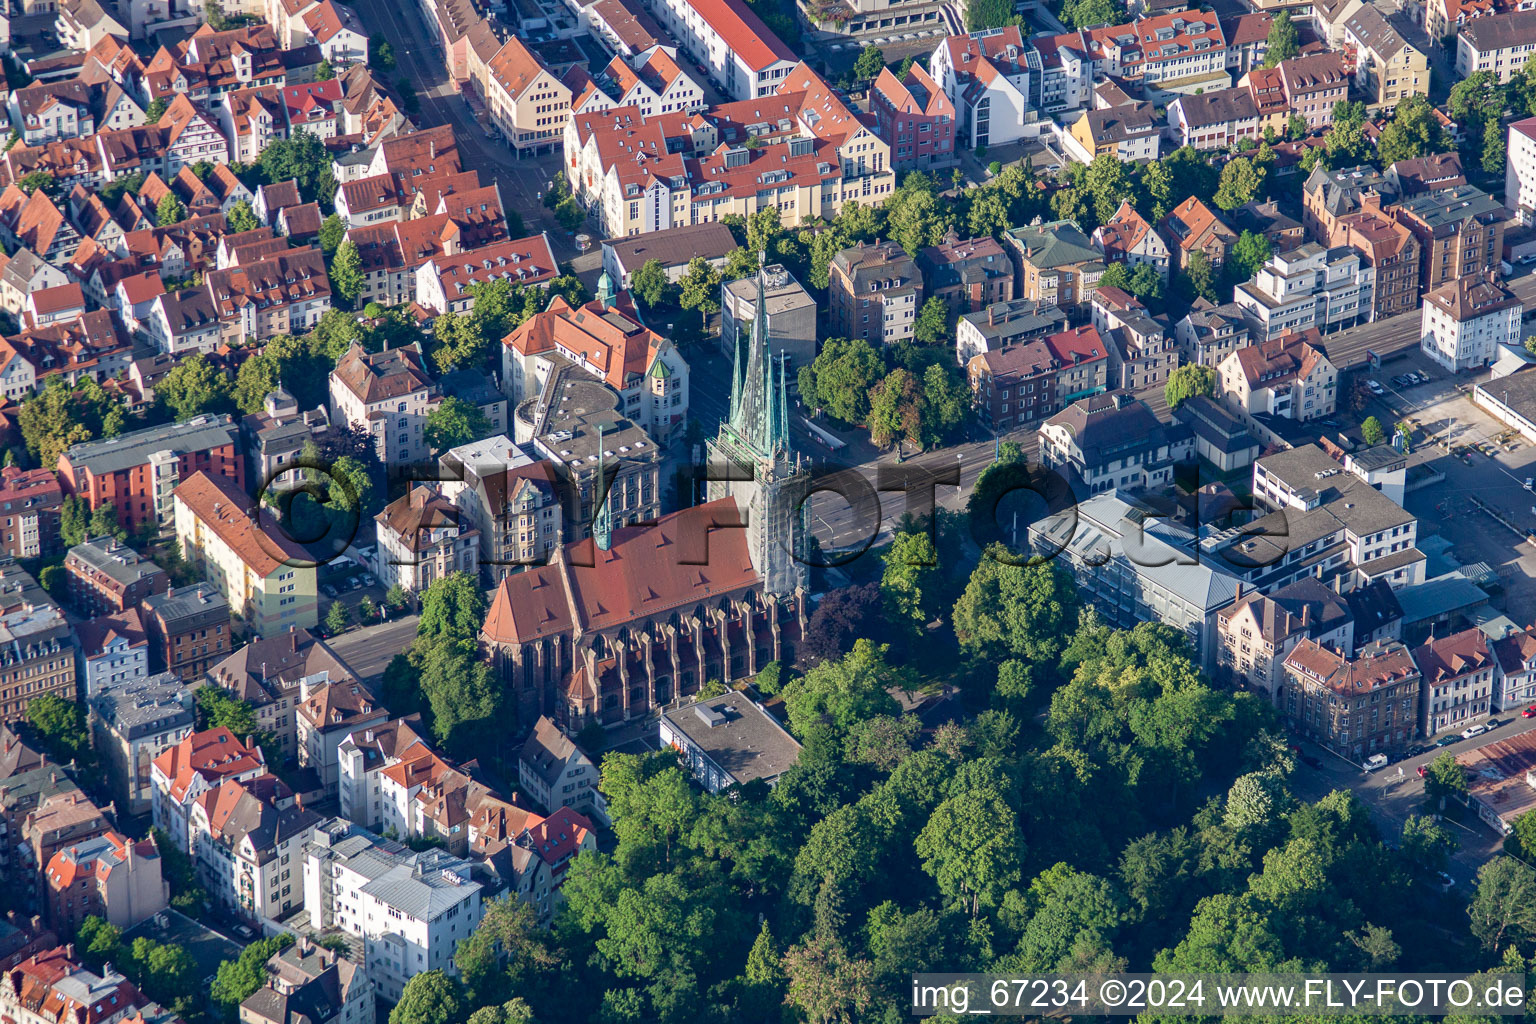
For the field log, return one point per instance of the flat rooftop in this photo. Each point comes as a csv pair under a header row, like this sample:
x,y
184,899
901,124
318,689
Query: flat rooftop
x,y
738,735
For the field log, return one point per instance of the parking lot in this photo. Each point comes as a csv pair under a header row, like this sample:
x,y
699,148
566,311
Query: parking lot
x,y
1479,458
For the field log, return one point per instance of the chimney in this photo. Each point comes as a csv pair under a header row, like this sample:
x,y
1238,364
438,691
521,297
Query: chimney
x,y
1306,616
1240,590
1338,585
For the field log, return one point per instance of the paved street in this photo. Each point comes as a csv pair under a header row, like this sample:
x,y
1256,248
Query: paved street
x,y
520,181
1396,791
368,651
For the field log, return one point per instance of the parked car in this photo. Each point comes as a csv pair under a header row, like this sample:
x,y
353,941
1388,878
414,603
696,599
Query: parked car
x,y
1376,388
1529,712
1446,741
1494,723
1375,762
1423,770
1472,731
327,590
368,579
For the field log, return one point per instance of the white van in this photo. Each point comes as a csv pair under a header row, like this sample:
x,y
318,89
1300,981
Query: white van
x,y
1473,730
1375,761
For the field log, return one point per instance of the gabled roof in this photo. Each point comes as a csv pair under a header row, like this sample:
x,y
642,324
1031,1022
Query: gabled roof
x,y
230,515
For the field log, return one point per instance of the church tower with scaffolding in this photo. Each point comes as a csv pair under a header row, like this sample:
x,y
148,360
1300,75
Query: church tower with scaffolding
x,y
753,461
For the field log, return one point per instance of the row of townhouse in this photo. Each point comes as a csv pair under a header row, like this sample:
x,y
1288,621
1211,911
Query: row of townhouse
x,y
801,150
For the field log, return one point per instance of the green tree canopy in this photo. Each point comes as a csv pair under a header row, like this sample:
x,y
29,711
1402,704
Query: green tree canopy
x,y
1283,43
454,422
1189,381
347,272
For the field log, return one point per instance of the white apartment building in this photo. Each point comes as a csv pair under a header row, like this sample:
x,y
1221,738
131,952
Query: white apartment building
x,y
986,76
1464,322
388,394
1516,676
556,773
248,840
112,649
1500,43
1309,286
200,762
743,57
360,762
1520,170
133,723
410,909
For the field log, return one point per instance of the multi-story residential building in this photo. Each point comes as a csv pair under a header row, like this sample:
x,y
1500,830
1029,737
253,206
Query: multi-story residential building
x,y
1520,170
1006,323
30,501
388,394
1500,43
1287,376
508,500
1459,680
1330,16
674,248
652,80
1208,333
527,101
1193,227
1328,198
1268,91
1465,322
969,275
328,714
1129,132
1515,681
50,111
133,722
285,293
1266,218
1189,47
1308,287
917,118
248,840
1030,379
1055,263
1353,706
105,575
112,649
1433,172
361,760
991,80
110,877
1257,633
38,658
1391,251
790,315
803,151
1460,233
188,630
410,909
137,471
737,50
274,675
276,436
1140,345
1219,119
267,578
556,773
1128,238
1134,566
56,823
1313,84
309,984
645,372
1387,68
875,293
199,764
1113,442
1329,518
52,986
446,284
420,539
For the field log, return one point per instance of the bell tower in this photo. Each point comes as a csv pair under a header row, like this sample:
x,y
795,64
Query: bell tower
x,y
756,464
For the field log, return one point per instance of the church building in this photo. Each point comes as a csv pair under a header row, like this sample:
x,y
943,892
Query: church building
x,y
626,620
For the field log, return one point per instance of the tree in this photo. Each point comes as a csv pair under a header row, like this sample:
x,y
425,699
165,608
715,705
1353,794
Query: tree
x,y
869,64
1249,253
1089,13
367,611
55,580
30,183
242,218
824,983
895,409
840,378
396,597
169,210
1283,43
60,415
1239,183
381,55
1191,380
1427,844
932,322
61,726
1024,610
332,230
430,997
1296,127
1493,147
454,422
104,522
1445,777
452,607
1198,277
911,578
1372,431
699,287
972,849
338,618
649,283
835,695
257,378
347,272
302,157
324,72
915,215
193,387
155,111
1414,131
1504,906
239,978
